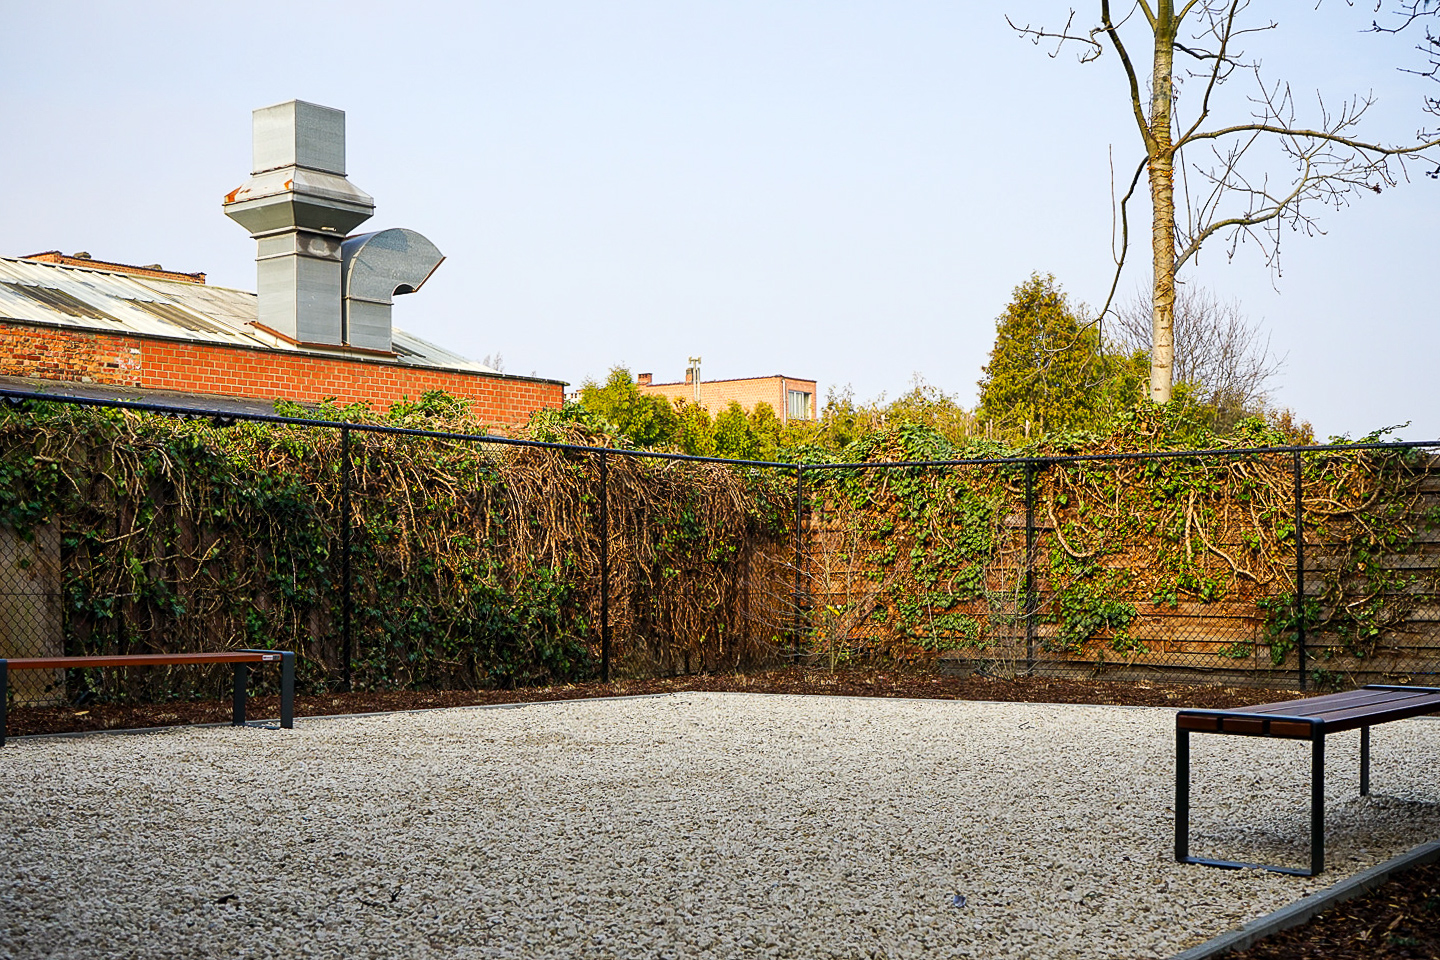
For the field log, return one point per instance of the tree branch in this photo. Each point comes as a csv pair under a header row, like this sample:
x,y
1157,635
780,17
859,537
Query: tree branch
x,y
1218,74
1243,222
1124,237
1136,100
1305,134
1064,36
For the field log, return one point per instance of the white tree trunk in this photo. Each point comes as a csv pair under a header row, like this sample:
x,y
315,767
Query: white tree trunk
x,y
1162,200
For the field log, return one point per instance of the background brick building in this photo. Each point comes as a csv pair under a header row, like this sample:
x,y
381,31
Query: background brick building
x,y
790,397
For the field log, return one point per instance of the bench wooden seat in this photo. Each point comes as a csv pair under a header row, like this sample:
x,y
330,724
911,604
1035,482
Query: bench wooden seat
x,y
242,659
1312,719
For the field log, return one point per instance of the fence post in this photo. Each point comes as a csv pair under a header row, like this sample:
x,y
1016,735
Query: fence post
x,y
346,598
604,569
1030,600
799,558
1299,569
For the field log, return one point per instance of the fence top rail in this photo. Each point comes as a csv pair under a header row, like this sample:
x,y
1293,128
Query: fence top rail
x,y
229,417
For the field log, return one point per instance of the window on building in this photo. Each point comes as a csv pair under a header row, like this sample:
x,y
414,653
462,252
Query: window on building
x,y
797,405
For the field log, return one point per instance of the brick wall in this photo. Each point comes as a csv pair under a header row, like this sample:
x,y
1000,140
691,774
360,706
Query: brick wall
x,y
715,395
58,353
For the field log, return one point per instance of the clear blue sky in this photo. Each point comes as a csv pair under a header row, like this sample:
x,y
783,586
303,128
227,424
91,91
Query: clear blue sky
x,y
846,191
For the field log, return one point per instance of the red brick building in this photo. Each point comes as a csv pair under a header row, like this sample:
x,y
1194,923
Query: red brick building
x,y
790,397
155,333
320,326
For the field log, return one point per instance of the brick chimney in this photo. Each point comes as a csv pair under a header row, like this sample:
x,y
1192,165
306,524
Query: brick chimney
x,y
644,379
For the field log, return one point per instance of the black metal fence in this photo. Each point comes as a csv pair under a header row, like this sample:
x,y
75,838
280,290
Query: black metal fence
x,y
1311,566
386,556
390,556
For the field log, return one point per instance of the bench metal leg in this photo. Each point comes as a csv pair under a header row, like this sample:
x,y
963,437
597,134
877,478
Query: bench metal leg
x,y
4,698
1317,812
1364,761
287,686
1317,804
1182,795
242,676
287,690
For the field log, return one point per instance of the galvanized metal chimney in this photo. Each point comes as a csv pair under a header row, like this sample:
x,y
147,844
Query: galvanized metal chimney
x,y
375,268
298,206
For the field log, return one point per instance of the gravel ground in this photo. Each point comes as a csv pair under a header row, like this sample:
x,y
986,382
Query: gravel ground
x,y
688,825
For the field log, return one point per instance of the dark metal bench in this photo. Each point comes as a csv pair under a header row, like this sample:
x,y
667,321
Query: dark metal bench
x,y
1312,719
240,658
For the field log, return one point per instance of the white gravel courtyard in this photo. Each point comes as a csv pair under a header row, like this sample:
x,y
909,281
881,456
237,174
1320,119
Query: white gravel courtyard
x,y
688,825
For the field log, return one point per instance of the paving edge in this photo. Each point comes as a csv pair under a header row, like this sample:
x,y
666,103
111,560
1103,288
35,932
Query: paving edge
x,y
1305,909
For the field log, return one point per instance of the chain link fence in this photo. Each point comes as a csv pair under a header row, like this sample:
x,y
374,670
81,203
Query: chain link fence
x,y
390,557
386,557
1167,566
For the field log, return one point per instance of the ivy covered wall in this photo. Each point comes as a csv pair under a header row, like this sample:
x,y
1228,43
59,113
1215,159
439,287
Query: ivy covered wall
x,y
475,564
1178,564
470,564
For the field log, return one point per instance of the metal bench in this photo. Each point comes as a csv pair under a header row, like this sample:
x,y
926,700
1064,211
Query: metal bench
x,y
1312,719
242,659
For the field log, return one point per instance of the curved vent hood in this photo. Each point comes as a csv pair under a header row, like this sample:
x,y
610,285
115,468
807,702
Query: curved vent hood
x,y
374,269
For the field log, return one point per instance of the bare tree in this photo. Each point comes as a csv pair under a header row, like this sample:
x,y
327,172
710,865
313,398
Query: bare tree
x,y
1229,182
1218,349
1405,14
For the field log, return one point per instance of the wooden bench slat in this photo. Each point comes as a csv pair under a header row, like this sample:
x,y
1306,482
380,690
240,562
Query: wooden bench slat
x,y
1310,705
1247,725
1374,700
140,660
1290,729
1370,714
1333,708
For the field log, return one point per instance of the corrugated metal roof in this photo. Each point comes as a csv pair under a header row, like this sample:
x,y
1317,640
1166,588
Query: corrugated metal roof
x,y
111,302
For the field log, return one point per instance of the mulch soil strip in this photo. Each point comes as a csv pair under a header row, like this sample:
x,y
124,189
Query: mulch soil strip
x,y
1398,920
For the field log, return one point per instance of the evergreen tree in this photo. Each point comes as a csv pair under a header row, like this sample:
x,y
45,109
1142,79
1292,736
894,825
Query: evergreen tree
x,y
695,434
766,428
733,437
647,420
1045,368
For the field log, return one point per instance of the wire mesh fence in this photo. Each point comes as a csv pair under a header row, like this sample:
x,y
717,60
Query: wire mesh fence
x,y
387,557
392,557
1174,566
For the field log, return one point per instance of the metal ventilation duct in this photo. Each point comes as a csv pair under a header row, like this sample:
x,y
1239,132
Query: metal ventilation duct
x,y
375,268
298,206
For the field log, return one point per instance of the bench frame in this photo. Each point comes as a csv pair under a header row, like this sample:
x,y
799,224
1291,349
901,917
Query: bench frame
x,y
242,659
1311,719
